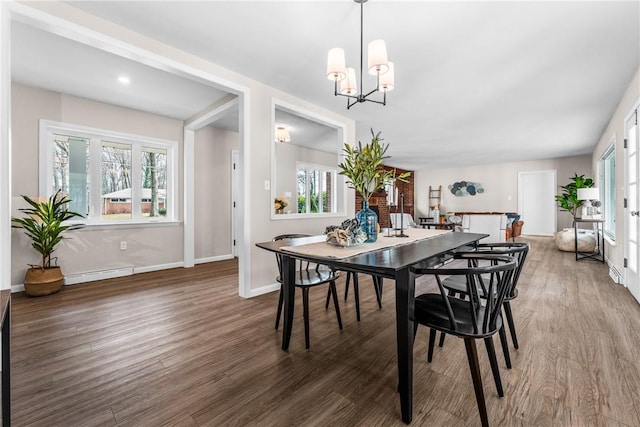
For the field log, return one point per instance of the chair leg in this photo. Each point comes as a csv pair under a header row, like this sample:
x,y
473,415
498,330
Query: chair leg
x,y
476,376
441,341
505,346
356,291
280,302
334,292
305,307
512,326
346,285
491,351
432,341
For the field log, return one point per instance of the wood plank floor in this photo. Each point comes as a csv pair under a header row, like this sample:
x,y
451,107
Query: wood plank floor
x,y
180,348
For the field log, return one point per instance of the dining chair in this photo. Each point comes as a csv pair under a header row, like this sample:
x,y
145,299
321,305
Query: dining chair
x,y
469,319
457,286
377,287
308,275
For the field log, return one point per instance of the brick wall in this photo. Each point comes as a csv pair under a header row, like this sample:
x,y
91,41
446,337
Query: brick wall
x,y
379,199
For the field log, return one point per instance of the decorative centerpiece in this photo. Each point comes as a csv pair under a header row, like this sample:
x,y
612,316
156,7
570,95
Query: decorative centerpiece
x,y
279,203
349,233
43,223
362,166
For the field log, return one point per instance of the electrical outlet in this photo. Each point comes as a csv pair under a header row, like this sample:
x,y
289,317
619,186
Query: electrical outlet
x,y
123,245
267,185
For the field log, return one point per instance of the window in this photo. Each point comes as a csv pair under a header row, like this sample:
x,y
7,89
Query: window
x,y
316,189
110,177
607,170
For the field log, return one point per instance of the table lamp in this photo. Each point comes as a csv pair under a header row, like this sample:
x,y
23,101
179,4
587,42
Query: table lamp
x,y
589,195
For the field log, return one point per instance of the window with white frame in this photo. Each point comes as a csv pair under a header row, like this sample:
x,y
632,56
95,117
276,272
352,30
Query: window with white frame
x,y
316,188
607,178
111,177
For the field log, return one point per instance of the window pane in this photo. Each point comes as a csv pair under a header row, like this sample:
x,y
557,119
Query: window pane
x,y
302,190
154,182
314,188
116,181
71,170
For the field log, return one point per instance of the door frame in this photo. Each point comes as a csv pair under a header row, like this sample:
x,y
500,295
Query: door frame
x,y
627,118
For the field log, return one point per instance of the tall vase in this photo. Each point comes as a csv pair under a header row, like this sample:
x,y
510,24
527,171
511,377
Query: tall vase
x,y
368,222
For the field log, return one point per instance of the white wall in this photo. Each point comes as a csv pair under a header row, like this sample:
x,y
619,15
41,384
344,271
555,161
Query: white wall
x,y
500,183
615,130
212,204
90,249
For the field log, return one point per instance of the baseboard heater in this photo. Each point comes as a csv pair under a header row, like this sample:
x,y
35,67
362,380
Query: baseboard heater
x,y
615,275
97,275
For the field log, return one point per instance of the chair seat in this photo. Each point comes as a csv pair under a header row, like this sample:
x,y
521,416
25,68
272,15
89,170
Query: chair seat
x,y
313,277
430,311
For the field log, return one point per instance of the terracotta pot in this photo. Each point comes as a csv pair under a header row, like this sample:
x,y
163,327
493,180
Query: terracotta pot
x,y
39,281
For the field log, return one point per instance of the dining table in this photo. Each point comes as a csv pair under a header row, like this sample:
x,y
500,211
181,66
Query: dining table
x,y
389,257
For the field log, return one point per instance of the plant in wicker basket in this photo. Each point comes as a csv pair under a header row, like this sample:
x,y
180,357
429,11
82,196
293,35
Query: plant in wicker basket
x,y
44,224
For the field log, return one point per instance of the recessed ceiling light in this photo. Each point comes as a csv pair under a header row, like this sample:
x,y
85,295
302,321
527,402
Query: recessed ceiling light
x,y
124,80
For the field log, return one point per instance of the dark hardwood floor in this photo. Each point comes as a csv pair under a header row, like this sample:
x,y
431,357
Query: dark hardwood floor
x,y
179,347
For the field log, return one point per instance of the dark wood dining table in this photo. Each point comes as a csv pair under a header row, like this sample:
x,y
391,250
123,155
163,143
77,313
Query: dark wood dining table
x,y
392,263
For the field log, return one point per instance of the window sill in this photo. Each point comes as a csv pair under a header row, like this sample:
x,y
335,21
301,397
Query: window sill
x,y
284,216
609,240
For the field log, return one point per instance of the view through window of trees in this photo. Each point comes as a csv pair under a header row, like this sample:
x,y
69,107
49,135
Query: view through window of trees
x,y
111,178
316,189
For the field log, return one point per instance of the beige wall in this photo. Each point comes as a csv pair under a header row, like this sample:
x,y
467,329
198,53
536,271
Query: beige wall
x,y
615,131
91,249
500,183
212,204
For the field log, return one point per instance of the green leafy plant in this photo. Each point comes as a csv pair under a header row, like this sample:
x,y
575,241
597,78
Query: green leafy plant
x,y
568,199
43,223
362,166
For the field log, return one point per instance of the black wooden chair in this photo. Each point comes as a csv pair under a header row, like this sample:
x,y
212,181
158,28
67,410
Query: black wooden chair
x,y
308,275
457,286
377,287
469,319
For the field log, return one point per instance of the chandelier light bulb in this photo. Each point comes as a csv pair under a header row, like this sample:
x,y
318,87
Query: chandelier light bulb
x,y
349,85
386,81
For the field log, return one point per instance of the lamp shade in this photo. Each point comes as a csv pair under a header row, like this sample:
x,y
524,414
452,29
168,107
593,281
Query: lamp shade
x,y
378,63
282,134
349,85
588,193
335,64
386,82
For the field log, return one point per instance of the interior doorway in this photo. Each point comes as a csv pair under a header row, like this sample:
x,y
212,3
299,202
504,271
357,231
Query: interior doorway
x,y
536,202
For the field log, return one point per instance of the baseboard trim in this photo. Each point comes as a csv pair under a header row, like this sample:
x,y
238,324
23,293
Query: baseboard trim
x,y
264,290
214,259
158,267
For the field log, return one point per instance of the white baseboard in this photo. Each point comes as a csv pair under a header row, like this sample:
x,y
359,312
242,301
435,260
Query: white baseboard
x,y
264,290
214,258
158,267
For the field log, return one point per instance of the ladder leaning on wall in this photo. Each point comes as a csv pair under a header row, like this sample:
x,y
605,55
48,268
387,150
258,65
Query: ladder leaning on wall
x,y
435,197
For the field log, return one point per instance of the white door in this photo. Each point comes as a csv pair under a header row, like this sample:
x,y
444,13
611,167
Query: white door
x,y
631,213
234,199
536,202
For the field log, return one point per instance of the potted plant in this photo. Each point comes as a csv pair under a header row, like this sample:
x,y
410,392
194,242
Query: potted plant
x,y
362,166
44,224
568,199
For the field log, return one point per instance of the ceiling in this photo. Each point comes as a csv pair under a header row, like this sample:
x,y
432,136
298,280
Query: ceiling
x,y
476,82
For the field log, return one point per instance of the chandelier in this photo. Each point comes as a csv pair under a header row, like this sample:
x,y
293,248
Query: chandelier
x,y
282,134
377,65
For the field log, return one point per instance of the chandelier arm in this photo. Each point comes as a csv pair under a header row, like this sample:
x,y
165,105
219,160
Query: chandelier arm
x,y
347,96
